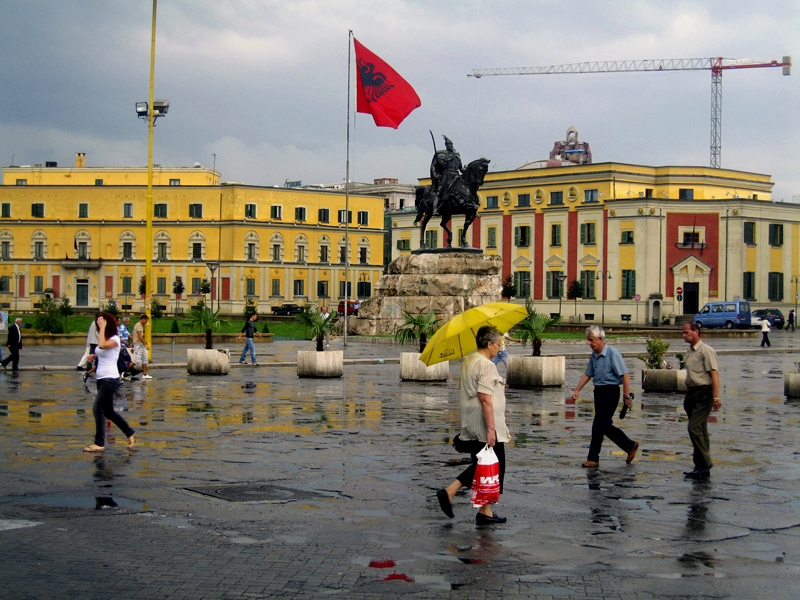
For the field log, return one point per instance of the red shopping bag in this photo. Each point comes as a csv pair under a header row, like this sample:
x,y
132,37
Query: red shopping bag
x,y
486,483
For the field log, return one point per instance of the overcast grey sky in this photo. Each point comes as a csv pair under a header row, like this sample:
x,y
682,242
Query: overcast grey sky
x,y
263,84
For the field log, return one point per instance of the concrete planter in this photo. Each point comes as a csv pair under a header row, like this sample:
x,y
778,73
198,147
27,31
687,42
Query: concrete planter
x,y
536,371
791,385
208,362
664,380
413,369
311,363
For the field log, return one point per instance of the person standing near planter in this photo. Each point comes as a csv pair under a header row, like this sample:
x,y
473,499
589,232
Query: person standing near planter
x,y
140,346
702,396
326,315
790,321
765,332
248,330
483,418
608,369
503,354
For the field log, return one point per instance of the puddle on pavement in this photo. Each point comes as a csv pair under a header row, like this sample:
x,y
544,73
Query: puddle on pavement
x,y
96,502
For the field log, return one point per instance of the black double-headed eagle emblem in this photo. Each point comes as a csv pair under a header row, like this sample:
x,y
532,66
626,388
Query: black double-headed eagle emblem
x,y
374,83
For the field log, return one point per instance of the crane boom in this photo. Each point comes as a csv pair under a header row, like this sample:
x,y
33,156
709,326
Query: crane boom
x,y
715,65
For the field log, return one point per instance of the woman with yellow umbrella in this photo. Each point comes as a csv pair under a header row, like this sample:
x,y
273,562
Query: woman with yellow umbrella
x,y
483,422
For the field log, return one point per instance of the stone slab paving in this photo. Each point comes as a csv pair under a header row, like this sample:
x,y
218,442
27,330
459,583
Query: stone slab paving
x,y
349,467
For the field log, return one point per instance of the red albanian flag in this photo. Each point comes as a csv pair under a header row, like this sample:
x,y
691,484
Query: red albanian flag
x,y
381,91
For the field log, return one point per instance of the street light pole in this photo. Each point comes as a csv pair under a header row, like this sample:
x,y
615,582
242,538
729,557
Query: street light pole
x,y
17,276
795,279
148,269
561,279
604,275
213,265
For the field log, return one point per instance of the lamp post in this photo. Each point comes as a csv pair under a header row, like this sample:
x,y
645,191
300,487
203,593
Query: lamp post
x,y
604,275
213,265
561,278
17,276
151,111
795,279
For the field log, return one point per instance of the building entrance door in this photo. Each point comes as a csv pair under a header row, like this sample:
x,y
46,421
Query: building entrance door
x,y
691,298
82,292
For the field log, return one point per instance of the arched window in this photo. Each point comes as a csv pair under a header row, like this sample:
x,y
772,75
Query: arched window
x,y
127,245
301,248
276,247
83,245
197,246
342,250
363,251
324,249
162,246
6,244
252,247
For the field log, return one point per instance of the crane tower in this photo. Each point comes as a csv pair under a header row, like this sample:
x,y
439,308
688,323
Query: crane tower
x,y
715,65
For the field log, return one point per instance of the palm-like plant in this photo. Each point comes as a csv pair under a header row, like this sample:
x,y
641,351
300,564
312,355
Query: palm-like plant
x,y
533,327
202,318
317,324
417,327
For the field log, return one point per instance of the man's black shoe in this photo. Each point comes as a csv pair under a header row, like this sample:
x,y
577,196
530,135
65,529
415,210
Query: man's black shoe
x,y
482,519
444,503
698,473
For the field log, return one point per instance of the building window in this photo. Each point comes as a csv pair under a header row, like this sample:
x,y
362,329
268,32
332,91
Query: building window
x,y
775,286
197,250
83,210
362,256
251,286
363,217
5,283
648,192
37,210
322,289
343,287
195,211
300,213
628,289
749,232
588,233
626,237
404,244
250,211
276,212
775,235
174,181
749,285
556,198
588,283
432,239
251,251
98,182
127,285
324,253
590,196
5,250
127,250
276,287
6,210
22,182
345,215
127,210
691,238
276,252
523,200
324,215
522,281
161,251
38,284
522,236
553,284
83,250
301,254
491,202
491,237
161,285
38,250
299,287
685,194
555,234
160,211
196,285
342,254
364,289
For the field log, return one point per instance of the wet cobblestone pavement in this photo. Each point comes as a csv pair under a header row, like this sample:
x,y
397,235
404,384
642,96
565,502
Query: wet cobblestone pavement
x,y
263,485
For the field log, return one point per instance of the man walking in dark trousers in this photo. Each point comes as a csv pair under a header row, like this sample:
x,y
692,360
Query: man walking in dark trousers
x,y
608,369
14,345
249,330
702,396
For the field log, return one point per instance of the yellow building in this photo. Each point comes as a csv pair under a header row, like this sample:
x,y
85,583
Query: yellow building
x,y
633,236
81,232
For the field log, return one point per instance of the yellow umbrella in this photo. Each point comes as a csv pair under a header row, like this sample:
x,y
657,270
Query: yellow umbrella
x,y
456,338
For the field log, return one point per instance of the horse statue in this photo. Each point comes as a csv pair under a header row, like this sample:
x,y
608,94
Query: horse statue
x,y
460,198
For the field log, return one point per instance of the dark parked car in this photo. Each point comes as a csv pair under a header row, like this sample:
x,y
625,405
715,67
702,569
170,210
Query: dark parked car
x,y
287,308
773,315
351,307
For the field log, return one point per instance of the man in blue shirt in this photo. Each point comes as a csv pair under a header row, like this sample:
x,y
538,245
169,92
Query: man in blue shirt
x,y
608,369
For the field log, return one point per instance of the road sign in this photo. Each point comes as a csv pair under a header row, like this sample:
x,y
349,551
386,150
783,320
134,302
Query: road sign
x,y
679,290
637,297
679,298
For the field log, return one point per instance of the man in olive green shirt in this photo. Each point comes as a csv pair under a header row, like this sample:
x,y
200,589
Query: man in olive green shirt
x,y
702,395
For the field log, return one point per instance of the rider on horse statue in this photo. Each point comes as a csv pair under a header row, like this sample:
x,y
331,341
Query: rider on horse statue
x,y
445,170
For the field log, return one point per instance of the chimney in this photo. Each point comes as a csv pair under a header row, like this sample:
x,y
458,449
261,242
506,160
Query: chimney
x,y
80,159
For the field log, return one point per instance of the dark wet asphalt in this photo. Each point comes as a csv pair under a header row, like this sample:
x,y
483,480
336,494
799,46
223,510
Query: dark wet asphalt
x,y
341,478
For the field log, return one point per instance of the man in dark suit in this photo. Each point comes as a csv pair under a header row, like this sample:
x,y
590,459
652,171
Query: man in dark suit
x,y
14,344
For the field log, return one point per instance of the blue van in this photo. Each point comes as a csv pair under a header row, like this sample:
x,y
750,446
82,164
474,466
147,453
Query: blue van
x,y
734,313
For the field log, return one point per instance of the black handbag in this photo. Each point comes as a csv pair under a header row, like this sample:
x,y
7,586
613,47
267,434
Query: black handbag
x,y
461,445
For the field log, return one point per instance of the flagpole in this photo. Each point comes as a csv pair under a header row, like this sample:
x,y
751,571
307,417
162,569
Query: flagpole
x,y
347,197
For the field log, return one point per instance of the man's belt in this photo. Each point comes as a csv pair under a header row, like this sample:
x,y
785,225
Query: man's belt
x,y
697,388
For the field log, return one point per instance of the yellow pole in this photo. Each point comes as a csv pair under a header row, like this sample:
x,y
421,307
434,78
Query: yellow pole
x,y
148,269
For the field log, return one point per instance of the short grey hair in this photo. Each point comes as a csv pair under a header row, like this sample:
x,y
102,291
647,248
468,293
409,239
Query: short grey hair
x,y
596,332
487,334
125,319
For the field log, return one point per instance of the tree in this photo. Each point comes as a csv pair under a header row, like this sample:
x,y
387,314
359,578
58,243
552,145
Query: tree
x,y
178,288
205,286
143,287
202,318
575,291
417,327
48,319
317,324
509,289
65,310
249,309
155,310
656,351
110,307
533,327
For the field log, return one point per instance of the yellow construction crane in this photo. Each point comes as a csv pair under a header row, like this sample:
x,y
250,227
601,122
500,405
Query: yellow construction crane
x,y
715,65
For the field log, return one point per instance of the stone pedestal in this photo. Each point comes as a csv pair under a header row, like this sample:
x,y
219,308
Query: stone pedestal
x,y
208,362
413,369
447,283
791,385
311,363
664,380
536,371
